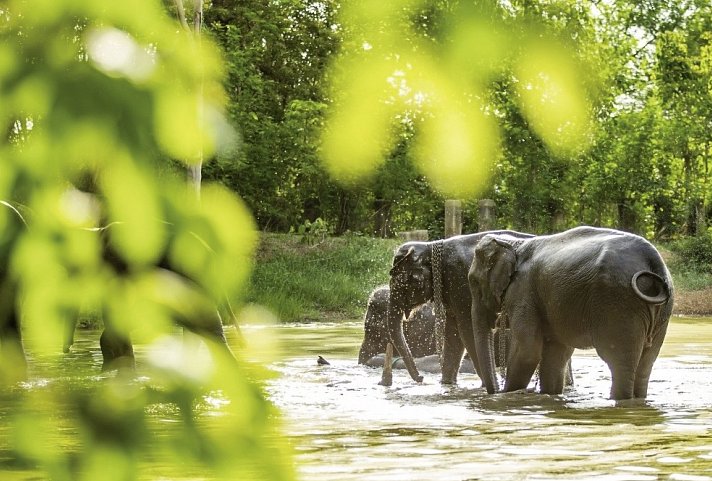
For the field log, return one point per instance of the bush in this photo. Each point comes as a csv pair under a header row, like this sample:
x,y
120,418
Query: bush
x,y
694,252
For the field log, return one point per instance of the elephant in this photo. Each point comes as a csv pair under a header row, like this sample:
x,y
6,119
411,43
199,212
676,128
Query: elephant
x,y
188,302
436,271
13,363
188,305
583,288
419,331
419,328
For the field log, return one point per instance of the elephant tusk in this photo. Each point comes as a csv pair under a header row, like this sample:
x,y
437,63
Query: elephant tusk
x,y
660,298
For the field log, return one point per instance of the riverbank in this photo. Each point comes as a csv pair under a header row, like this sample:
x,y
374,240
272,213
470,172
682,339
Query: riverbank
x,y
331,279
693,303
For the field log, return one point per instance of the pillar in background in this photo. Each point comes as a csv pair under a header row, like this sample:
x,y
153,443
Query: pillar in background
x,y
486,214
453,218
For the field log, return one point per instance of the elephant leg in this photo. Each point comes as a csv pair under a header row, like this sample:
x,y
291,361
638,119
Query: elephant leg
x,y
468,338
116,350
553,367
622,359
453,351
13,362
569,375
525,354
70,326
645,366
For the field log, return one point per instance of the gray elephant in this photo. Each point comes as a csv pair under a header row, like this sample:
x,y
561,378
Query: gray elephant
x,y
419,329
436,271
586,287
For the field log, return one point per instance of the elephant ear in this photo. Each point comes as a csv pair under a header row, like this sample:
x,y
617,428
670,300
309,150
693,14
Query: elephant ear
x,y
496,261
400,257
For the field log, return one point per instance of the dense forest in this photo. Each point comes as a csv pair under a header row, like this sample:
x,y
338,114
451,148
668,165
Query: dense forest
x,y
647,72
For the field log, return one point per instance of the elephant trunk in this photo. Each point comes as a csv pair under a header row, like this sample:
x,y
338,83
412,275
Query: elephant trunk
x,y
483,345
395,331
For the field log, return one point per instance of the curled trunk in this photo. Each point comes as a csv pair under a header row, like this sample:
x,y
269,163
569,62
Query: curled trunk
x,y
395,331
483,345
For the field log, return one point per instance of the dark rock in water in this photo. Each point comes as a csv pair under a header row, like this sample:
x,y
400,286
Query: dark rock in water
x,y
322,362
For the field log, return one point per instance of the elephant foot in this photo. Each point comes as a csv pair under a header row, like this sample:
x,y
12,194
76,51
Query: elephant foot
x,y
387,375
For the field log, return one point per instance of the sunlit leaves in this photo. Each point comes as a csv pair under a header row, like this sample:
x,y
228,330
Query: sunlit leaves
x,y
95,96
552,98
117,53
441,90
140,233
455,144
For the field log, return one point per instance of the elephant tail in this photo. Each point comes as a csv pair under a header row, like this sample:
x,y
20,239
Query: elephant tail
x,y
656,293
650,287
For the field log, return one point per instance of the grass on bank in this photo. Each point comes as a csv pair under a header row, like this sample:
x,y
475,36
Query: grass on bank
x,y
332,279
328,280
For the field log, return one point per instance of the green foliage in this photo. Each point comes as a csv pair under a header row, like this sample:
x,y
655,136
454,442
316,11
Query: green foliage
x,y
99,94
312,232
275,56
325,281
643,68
394,71
694,251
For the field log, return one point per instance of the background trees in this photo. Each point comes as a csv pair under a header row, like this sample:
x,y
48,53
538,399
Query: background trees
x,y
648,79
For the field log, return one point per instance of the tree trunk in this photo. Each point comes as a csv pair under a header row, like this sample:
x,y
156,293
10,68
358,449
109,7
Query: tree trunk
x,y
195,171
343,222
382,218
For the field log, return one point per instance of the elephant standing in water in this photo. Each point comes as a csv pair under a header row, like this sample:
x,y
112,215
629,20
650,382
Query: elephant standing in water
x,y
13,364
419,329
187,302
586,287
436,271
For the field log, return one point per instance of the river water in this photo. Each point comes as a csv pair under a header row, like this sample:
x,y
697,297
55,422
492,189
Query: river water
x,y
343,426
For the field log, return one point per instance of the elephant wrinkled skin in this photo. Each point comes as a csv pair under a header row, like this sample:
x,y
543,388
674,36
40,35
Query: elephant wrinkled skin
x,y
412,283
583,288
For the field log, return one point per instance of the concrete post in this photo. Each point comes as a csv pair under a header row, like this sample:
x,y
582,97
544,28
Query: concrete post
x,y
453,218
486,215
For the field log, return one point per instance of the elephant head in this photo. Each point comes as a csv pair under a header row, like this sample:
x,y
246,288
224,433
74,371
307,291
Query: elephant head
x,y
493,266
410,284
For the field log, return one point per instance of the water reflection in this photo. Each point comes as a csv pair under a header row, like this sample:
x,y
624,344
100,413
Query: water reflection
x,y
345,426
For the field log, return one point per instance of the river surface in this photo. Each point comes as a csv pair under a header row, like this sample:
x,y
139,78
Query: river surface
x,y
344,426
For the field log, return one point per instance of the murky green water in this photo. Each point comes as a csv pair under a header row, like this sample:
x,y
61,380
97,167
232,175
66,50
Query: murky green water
x,y
344,426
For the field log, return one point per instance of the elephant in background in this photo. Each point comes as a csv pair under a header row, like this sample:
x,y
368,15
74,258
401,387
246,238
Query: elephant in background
x,y
583,288
13,363
436,271
194,311
419,329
